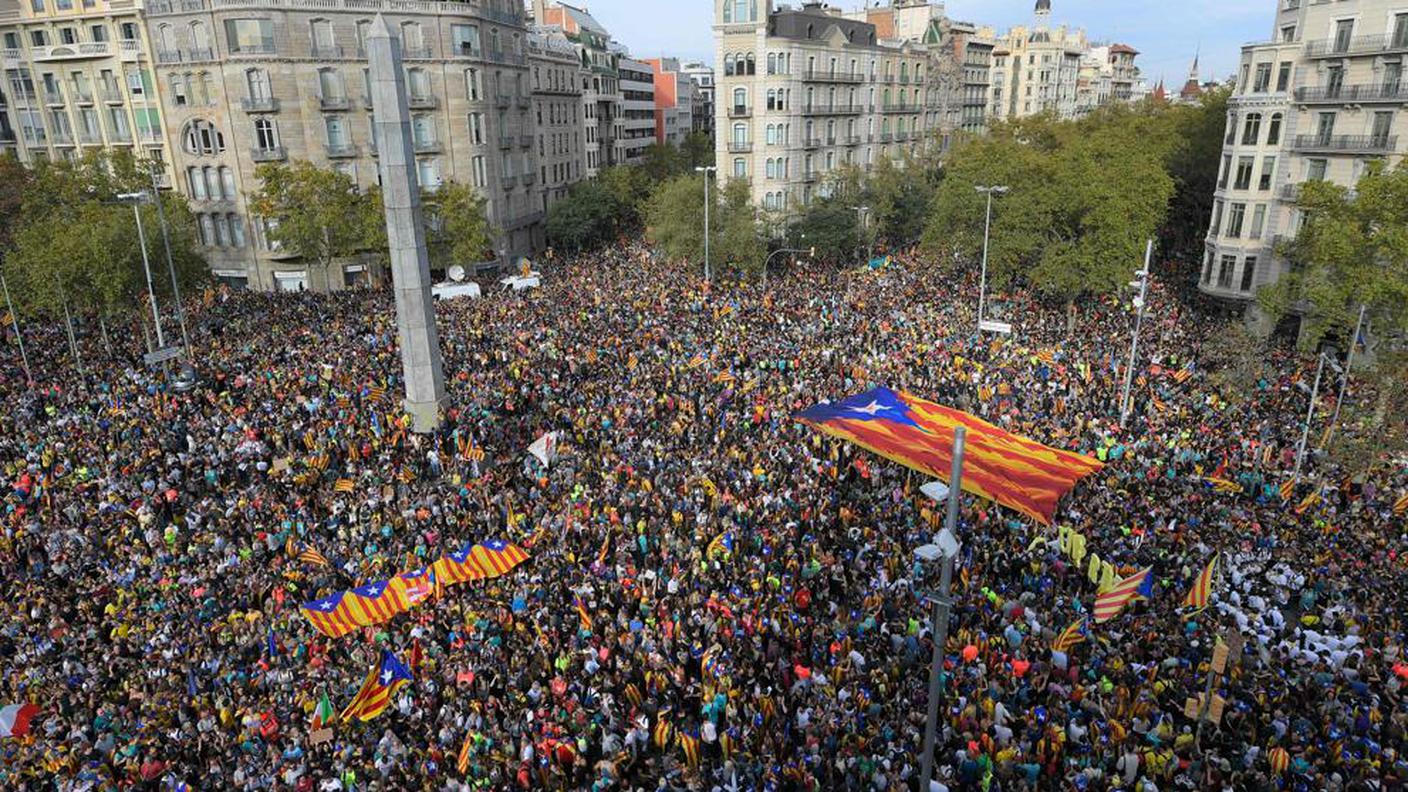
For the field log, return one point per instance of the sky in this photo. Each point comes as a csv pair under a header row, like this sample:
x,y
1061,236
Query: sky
x,y
1167,34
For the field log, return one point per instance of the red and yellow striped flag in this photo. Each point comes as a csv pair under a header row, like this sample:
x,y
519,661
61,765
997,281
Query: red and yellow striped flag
x,y
582,614
1070,637
310,555
1109,604
1307,502
462,759
1288,490
1014,471
1401,505
345,486
1201,593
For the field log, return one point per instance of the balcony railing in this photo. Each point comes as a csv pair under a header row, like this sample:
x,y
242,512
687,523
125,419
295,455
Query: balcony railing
x,y
524,102
899,108
254,49
112,95
426,146
505,141
508,182
82,97
739,111
810,176
816,75
341,150
62,52
528,179
886,137
1365,144
53,97
416,53
526,141
508,58
1354,94
853,140
1289,193
272,154
1358,45
740,146
326,52
502,101
259,104
335,103
427,102
811,143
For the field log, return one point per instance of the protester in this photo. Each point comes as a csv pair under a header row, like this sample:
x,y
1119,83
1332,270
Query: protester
x,y
152,573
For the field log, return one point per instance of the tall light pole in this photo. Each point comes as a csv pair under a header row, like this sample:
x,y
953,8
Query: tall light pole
x,y
811,252
945,550
706,170
15,322
987,228
170,265
137,199
1309,416
1344,377
863,215
1140,303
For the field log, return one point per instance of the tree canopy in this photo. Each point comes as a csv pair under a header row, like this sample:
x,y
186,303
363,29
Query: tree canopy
x,y
458,230
318,213
675,222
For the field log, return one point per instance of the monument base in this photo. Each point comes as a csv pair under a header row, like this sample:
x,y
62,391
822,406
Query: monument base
x,y
425,416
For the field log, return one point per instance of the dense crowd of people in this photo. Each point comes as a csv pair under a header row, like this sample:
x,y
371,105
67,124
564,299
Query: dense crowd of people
x,y
151,540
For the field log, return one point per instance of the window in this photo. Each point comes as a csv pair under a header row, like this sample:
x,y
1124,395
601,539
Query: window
x,y
207,230
772,63
1224,271
1258,221
321,32
752,66
200,38
465,39
1400,31
417,83
740,168
740,134
1344,30
1251,129
95,33
428,173
179,93
1273,130
1244,173
266,134
729,65
1325,128
330,85
201,138
1283,77
740,101
250,35
423,130
336,131
1380,128
227,181
479,174
236,231
1315,170
364,28
476,128
412,39
212,183
1248,273
196,180
1268,170
1226,171
1236,213
1261,83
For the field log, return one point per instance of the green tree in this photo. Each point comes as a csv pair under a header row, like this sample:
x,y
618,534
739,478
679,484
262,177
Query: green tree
x,y
899,199
318,213
830,225
458,230
675,222
1193,164
697,151
662,161
738,241
584,218
629,189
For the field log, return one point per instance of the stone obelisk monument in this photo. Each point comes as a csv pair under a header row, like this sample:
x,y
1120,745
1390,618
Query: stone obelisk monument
x,y
405,231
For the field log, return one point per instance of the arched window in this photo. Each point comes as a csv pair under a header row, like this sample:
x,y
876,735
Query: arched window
x,y
740,100
772,63
1251,129
740,134
752,65
771,169
740,168
728,65
771,135
200,38
166,38
201,138
1273,130
728,10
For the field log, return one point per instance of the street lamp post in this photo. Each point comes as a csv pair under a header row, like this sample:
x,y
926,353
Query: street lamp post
x,y
15,322
136,199
1344,378
1309,416
170,265
706,170
987,228
1139,304
945,550
863,213
766,262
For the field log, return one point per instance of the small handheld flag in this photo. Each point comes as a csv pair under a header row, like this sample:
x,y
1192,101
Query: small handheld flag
x,y
380,685
1070,637
721,546
1109,604
323,714
310,555
1199,596
582,614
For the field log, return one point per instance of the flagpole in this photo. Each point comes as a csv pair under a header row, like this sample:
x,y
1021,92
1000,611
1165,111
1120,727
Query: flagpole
x,y
1206,704
1344,379
943,603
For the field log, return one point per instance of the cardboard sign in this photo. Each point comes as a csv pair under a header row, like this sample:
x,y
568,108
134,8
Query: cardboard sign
x,y
1215,709
1219,657
320,736
1190,708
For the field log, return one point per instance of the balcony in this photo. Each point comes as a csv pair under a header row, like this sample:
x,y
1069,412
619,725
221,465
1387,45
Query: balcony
x,y
507,58
416,53
740,111
525,102
53,97
810,176
326,52
272,154
1346,144
900,137
11,58
254,49
508,182
528,179
150,135
739,146
334,103
259,104
202,54
170,56
525,219
526,141
426,146
341,150
853,140
502,101
422,102
899,108
886,137
62,139
811,143
505,141
71,52
888,79
129,50
814,75
82,97
1392,93
1290,193
1358,45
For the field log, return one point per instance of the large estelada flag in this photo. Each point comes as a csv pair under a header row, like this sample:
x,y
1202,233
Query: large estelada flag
x,y
1018,473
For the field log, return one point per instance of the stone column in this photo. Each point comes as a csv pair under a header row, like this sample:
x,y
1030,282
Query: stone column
x,y
405,230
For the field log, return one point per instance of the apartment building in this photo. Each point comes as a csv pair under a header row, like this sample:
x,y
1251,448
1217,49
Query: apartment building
x,y
601,91
1108,76
977,48
804,91
248,82
558,80
676,97
636,126
1320,100
78,75
702,75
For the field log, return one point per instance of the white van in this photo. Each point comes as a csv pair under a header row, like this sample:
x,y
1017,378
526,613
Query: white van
x,y
454,291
